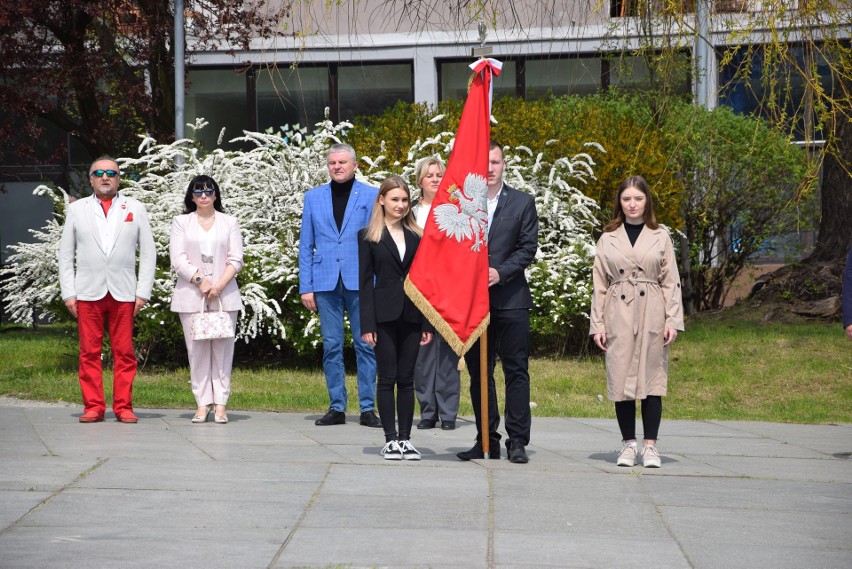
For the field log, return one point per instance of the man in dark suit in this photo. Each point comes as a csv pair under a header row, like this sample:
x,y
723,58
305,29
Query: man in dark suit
x,y
512,244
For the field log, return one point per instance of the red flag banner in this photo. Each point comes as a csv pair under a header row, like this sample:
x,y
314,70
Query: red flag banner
x,y
448,280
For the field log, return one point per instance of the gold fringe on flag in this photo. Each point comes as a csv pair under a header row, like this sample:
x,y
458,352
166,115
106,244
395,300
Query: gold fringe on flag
x,y
441,326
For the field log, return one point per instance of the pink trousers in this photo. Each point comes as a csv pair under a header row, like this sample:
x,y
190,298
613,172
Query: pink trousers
x,y
210,364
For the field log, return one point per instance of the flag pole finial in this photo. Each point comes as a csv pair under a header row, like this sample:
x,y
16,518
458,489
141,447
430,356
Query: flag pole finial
x,y
482,50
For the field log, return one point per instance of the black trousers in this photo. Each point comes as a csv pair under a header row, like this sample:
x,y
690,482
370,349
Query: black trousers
x,y
652,414
397,344
508,337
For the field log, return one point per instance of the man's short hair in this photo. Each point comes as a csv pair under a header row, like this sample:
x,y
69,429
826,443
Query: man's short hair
x,y
103,157
495,144
342,148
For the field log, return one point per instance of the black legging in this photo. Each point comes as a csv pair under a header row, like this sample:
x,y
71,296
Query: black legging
x,y
397,344
652,414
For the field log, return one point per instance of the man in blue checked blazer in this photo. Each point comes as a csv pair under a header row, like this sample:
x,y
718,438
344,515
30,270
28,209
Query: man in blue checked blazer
x,y
328,279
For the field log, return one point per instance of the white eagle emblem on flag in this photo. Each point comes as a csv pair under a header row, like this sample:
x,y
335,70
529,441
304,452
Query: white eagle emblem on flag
x,y
468,219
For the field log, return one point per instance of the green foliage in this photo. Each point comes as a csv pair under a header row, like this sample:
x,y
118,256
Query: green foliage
x,y
740,181
622,126
728,181
263,186
392,134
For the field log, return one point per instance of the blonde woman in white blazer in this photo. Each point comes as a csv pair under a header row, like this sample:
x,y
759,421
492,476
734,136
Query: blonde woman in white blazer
x,y
206,250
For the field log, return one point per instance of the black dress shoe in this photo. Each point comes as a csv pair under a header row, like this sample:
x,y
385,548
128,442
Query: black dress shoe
x,y
331,418
476,452
427,424
369,419
517,453
448,425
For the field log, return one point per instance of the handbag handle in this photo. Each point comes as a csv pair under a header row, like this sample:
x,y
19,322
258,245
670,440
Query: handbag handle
x,y
204,303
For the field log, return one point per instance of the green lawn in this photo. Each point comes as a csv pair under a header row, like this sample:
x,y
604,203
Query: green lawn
x,y
728,366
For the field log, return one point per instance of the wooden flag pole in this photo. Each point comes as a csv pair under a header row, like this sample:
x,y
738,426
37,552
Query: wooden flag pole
x,y
483,392
481,52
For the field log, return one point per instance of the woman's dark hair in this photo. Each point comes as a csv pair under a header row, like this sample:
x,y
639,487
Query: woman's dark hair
x,y
618,216
205,181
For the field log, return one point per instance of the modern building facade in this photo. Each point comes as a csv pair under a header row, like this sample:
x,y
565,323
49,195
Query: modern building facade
x,y
359,57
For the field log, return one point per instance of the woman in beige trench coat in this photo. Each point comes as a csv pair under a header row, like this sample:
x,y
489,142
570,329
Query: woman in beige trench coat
x,y
636,313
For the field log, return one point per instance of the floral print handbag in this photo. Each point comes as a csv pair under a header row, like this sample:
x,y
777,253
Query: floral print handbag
x,y
211,325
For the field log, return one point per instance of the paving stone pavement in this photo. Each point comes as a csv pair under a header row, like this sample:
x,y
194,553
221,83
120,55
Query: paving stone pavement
x,y
272,490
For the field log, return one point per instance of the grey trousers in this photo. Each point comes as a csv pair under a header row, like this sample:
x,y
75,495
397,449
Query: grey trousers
x,y
436,381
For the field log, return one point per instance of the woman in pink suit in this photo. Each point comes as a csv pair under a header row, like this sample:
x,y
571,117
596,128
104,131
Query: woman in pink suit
x,y
206,250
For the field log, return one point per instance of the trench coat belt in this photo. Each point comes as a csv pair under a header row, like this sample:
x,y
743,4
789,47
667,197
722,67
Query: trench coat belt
x,y
628,294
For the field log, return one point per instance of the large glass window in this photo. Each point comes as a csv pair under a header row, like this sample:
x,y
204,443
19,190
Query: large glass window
x,y
456,74
218,96
369,89
633,72
45,146
291,96
745,86
632,8
562,76
579,75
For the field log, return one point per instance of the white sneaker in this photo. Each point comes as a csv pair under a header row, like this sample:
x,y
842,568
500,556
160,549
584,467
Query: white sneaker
x,y
392,451
627,456
408,451
650,457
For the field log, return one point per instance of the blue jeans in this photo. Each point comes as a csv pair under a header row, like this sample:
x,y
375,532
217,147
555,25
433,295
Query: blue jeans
x,y
330,306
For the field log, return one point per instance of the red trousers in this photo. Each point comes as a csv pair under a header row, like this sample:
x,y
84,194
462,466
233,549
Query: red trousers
x,y
92,316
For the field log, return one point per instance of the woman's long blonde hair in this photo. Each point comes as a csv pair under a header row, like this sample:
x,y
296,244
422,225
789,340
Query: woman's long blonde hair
x,y
376,226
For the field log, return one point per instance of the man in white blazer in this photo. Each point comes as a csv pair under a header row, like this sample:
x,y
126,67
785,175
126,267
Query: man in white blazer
x,y
98,280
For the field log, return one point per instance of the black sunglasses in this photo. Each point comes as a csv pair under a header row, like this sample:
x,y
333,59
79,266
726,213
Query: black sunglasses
x,y
203,189
100,173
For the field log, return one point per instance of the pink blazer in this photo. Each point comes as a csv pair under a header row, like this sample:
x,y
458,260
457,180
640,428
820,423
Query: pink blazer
x,y
185,254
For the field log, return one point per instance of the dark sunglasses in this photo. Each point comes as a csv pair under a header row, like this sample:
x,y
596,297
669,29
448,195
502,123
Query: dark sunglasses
x,y
206,190
100,173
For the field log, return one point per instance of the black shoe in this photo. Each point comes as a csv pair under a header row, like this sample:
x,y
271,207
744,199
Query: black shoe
x,y
448,425
476,452
333,417
369,419
517,454
427,424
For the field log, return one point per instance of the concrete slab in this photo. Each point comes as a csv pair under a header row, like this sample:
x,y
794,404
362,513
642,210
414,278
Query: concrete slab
x,y
362,547
16,504
274,490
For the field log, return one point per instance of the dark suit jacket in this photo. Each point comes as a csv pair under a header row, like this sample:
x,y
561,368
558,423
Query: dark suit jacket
x,y
512,243
381,278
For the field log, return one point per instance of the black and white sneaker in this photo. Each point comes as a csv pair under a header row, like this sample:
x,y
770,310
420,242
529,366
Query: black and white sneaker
x,y
392,451
408,451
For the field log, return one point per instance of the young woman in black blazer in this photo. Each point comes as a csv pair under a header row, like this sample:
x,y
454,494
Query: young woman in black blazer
x,y
390,322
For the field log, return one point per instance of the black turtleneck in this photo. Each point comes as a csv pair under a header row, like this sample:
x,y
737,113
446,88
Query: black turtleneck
x,y
339,198
633,231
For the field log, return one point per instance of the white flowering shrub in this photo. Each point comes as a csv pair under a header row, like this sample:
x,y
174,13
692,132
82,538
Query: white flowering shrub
x,y
263,186
560,279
